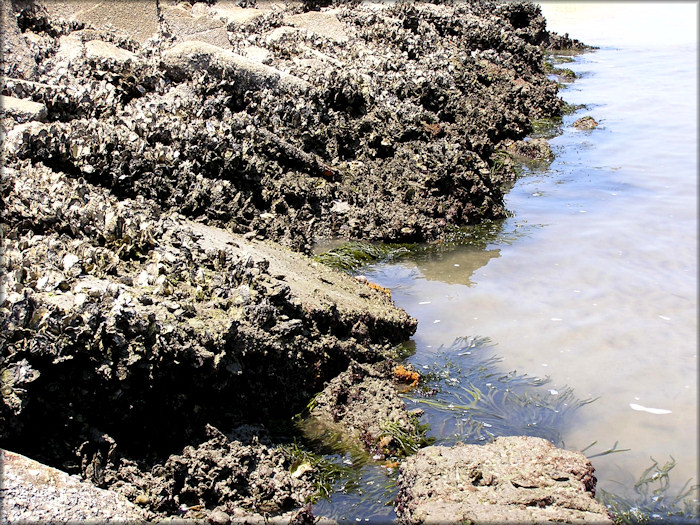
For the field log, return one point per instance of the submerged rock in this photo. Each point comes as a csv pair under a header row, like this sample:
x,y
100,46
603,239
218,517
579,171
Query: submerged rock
x,y
512,480
362,405
537,149
586,123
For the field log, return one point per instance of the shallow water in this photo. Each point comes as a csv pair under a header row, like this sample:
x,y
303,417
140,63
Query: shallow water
x,y
593,281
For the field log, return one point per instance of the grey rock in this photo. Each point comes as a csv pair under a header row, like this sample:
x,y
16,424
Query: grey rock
x,y
99,50
70,48
195,23
233,15
35,493
22,110
514,479
219,517
139,20
15,45
586,123
185,59
325,24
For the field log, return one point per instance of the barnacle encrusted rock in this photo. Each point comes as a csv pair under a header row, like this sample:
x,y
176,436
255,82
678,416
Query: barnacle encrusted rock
x,y
515,479
586,123
187,58
395,110
221,473
126,308
363,405
537,149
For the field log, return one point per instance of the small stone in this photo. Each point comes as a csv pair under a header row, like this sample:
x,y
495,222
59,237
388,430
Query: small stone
x,y
172,306
69,260
142,279
586,122
79,299
22,110
340,207
219,517
99,50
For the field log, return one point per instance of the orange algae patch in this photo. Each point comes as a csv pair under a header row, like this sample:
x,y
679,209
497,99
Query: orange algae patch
x,y
385,291
385,442
407,376
373,286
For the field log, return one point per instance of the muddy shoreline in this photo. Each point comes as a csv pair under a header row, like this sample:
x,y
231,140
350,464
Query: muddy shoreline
x,y
164,178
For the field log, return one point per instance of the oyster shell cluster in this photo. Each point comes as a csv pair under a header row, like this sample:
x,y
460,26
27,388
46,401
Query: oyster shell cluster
x,y
124,324
395,112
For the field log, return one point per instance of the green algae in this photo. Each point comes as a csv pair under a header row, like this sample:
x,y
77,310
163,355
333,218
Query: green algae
x,y
611,450
546,127
326,473
402,351
570,109
467,397
654,500
353,255
560,59
564,73
408,443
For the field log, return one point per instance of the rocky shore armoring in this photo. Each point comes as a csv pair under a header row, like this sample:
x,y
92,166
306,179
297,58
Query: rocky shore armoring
x,y
125,326
369,122
167,166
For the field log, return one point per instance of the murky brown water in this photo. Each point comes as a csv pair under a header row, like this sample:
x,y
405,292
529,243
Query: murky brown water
x,y
593,282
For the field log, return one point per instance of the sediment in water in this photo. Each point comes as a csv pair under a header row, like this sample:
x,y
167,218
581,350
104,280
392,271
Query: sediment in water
x,y
160,173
